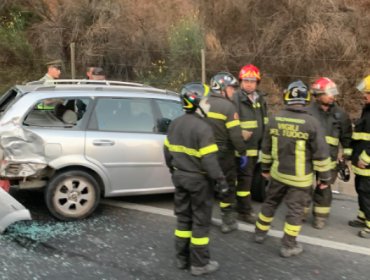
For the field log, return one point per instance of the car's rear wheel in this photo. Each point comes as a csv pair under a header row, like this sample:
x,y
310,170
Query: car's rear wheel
x,y
72,195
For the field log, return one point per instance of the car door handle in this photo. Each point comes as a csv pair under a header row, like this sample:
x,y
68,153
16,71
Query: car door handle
x,y
103,142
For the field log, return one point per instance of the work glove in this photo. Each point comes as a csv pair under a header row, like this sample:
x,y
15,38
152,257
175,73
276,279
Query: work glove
x,y
243,162
222,187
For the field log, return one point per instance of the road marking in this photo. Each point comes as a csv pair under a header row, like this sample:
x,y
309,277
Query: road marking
x,y
244,227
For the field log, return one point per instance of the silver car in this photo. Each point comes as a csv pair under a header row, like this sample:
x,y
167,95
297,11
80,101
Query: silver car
x,y
83,140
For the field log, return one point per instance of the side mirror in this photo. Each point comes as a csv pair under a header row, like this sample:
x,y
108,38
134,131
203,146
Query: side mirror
x,y
163,124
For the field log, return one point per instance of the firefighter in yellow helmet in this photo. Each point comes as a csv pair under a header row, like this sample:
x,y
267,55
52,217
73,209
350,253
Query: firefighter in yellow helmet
x,y
338,131
191,155
361,162
293,148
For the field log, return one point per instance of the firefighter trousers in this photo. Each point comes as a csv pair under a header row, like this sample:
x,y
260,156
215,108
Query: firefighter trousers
x,y
322,198
227,164
362,185
295,199
244,184
193,208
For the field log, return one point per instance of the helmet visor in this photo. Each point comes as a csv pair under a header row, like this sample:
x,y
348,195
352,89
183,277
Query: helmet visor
x,y
250,79
328,91
361,86
331,91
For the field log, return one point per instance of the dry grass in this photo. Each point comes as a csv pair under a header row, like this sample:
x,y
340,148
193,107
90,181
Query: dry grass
x,y
287,39
292,39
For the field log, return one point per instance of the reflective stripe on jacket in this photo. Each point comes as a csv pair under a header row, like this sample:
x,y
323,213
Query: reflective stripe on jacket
x,y
190,147
337,128
224,120
294,147
253,117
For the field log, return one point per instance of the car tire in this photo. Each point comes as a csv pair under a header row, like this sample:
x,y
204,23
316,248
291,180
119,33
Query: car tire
x,y
72,195
259,185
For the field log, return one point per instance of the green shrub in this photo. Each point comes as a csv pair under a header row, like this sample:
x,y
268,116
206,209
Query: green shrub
x,y
16,54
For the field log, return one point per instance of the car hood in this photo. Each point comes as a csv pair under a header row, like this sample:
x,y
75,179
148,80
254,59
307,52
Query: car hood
x,y
11,211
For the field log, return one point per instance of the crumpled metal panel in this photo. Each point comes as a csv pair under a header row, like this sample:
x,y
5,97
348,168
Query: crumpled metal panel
x,y
21,151
11,211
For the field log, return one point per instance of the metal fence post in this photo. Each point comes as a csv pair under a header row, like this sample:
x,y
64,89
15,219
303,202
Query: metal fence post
x,y
73,60
203,56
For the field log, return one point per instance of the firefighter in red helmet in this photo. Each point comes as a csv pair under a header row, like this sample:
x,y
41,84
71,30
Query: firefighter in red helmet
x,y
338,131
252,109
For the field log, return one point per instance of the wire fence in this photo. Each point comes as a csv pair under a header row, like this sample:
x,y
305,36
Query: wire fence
x,y
122,69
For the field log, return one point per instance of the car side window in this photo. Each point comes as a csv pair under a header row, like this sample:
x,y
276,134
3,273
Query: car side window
x,y
123,115
61,112
170,109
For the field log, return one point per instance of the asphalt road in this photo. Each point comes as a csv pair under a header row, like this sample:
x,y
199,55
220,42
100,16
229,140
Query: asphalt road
x,y
121,243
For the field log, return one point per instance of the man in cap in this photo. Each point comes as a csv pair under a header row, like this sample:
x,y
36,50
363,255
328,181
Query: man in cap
x,y
95,73
54,70
98,74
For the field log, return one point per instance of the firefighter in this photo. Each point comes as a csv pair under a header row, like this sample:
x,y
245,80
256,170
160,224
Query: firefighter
x,y
361,162
338,130
191,156
252,110
224,120
294,147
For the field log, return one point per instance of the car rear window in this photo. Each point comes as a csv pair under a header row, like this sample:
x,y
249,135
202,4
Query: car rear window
x,y
123,115
61,112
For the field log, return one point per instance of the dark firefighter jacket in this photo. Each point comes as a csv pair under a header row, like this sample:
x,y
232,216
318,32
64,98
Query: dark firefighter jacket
x,y
361,142
191,149
337,129
224,120
253,117
294,147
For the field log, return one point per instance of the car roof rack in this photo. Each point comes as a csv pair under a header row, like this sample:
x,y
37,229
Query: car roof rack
x,y
84,82
47,84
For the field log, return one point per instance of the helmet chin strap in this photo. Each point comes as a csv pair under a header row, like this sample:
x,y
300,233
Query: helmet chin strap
x,y
201,112
249,92
326,105
226,96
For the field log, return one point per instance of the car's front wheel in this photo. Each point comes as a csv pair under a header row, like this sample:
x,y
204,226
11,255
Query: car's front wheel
x,y
72,195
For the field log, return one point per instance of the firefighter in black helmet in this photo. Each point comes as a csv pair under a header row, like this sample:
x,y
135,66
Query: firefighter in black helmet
x,y
191,155
293,149
224,119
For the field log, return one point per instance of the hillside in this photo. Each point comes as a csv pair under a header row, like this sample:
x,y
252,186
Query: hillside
x,y
159,42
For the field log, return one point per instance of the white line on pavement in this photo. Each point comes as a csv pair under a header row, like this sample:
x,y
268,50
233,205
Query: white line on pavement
x,y
249,228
